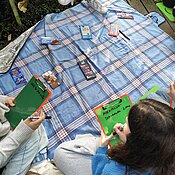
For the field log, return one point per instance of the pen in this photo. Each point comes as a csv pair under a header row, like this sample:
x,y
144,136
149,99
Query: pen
x,y
124,35
35,117
120,129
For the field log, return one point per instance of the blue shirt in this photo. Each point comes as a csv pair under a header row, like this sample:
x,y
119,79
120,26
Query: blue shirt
x,y
102,165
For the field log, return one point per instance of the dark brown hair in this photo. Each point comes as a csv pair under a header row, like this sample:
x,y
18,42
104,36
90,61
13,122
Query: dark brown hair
x,y
151,143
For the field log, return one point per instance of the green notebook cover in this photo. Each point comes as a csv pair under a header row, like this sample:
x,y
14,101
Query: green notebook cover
x,y
116,112
31,98
111,113
168,12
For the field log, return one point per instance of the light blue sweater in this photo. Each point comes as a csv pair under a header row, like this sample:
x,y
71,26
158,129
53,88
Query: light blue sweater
x,y
10,141
102,165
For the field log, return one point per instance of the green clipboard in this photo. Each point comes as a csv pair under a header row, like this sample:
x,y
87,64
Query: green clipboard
x,y
111,113
31,98
116,112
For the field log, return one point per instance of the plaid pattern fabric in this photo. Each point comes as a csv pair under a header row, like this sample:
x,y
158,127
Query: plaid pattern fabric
x,y
121,65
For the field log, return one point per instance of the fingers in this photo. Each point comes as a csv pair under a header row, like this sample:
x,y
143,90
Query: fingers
x,y
118,127
110,137
42,115
172,87
10,101
171,91
37,116
36,120
102,133
120,132
40,118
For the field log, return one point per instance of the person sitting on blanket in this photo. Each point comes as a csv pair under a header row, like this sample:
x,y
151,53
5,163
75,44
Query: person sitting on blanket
x,y
19,147
147,147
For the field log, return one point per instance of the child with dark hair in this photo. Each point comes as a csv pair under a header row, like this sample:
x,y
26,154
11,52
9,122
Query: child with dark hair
x,y
147,144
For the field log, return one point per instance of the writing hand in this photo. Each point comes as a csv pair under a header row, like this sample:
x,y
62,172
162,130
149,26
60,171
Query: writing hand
x,y
121,133
10,101
34,124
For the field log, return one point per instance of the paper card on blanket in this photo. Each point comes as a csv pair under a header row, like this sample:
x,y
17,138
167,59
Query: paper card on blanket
x,y
85,31
32,97
17,76
51,79
86,69
111,113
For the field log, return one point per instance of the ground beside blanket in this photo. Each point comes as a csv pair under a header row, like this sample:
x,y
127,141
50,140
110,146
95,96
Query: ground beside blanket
x,y
36,10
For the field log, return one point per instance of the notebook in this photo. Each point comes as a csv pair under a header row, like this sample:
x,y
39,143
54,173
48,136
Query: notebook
x,y
116,112
111,113
31,98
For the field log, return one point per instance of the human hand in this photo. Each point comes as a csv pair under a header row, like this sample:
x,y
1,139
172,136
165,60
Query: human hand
x,y
121,133
104,139
9,101
171,91
34,124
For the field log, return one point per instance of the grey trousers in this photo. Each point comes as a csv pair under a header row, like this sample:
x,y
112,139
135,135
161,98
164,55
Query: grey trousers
x,y
75,157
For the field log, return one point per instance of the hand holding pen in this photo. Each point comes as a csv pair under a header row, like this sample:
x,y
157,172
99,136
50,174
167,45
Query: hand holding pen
x,y
34,124
118,129
37,117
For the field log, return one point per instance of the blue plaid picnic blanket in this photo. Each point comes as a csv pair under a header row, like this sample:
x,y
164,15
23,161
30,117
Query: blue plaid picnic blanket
x,y
121,65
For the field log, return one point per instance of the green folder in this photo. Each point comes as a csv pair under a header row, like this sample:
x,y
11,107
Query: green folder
x,y
116,112
31,99
111,113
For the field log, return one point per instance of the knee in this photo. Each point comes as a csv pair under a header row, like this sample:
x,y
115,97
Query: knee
x,y
59,156
41,136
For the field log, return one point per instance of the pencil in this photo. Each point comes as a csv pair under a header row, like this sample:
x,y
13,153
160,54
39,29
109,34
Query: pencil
x,y
124,35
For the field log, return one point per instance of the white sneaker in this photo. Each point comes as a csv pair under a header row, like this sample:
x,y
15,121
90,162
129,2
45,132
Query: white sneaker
x,y
66,2
99,5
45,168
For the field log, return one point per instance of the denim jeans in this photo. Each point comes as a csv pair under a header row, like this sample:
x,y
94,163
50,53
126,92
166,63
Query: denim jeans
x,y
19,163
161,96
